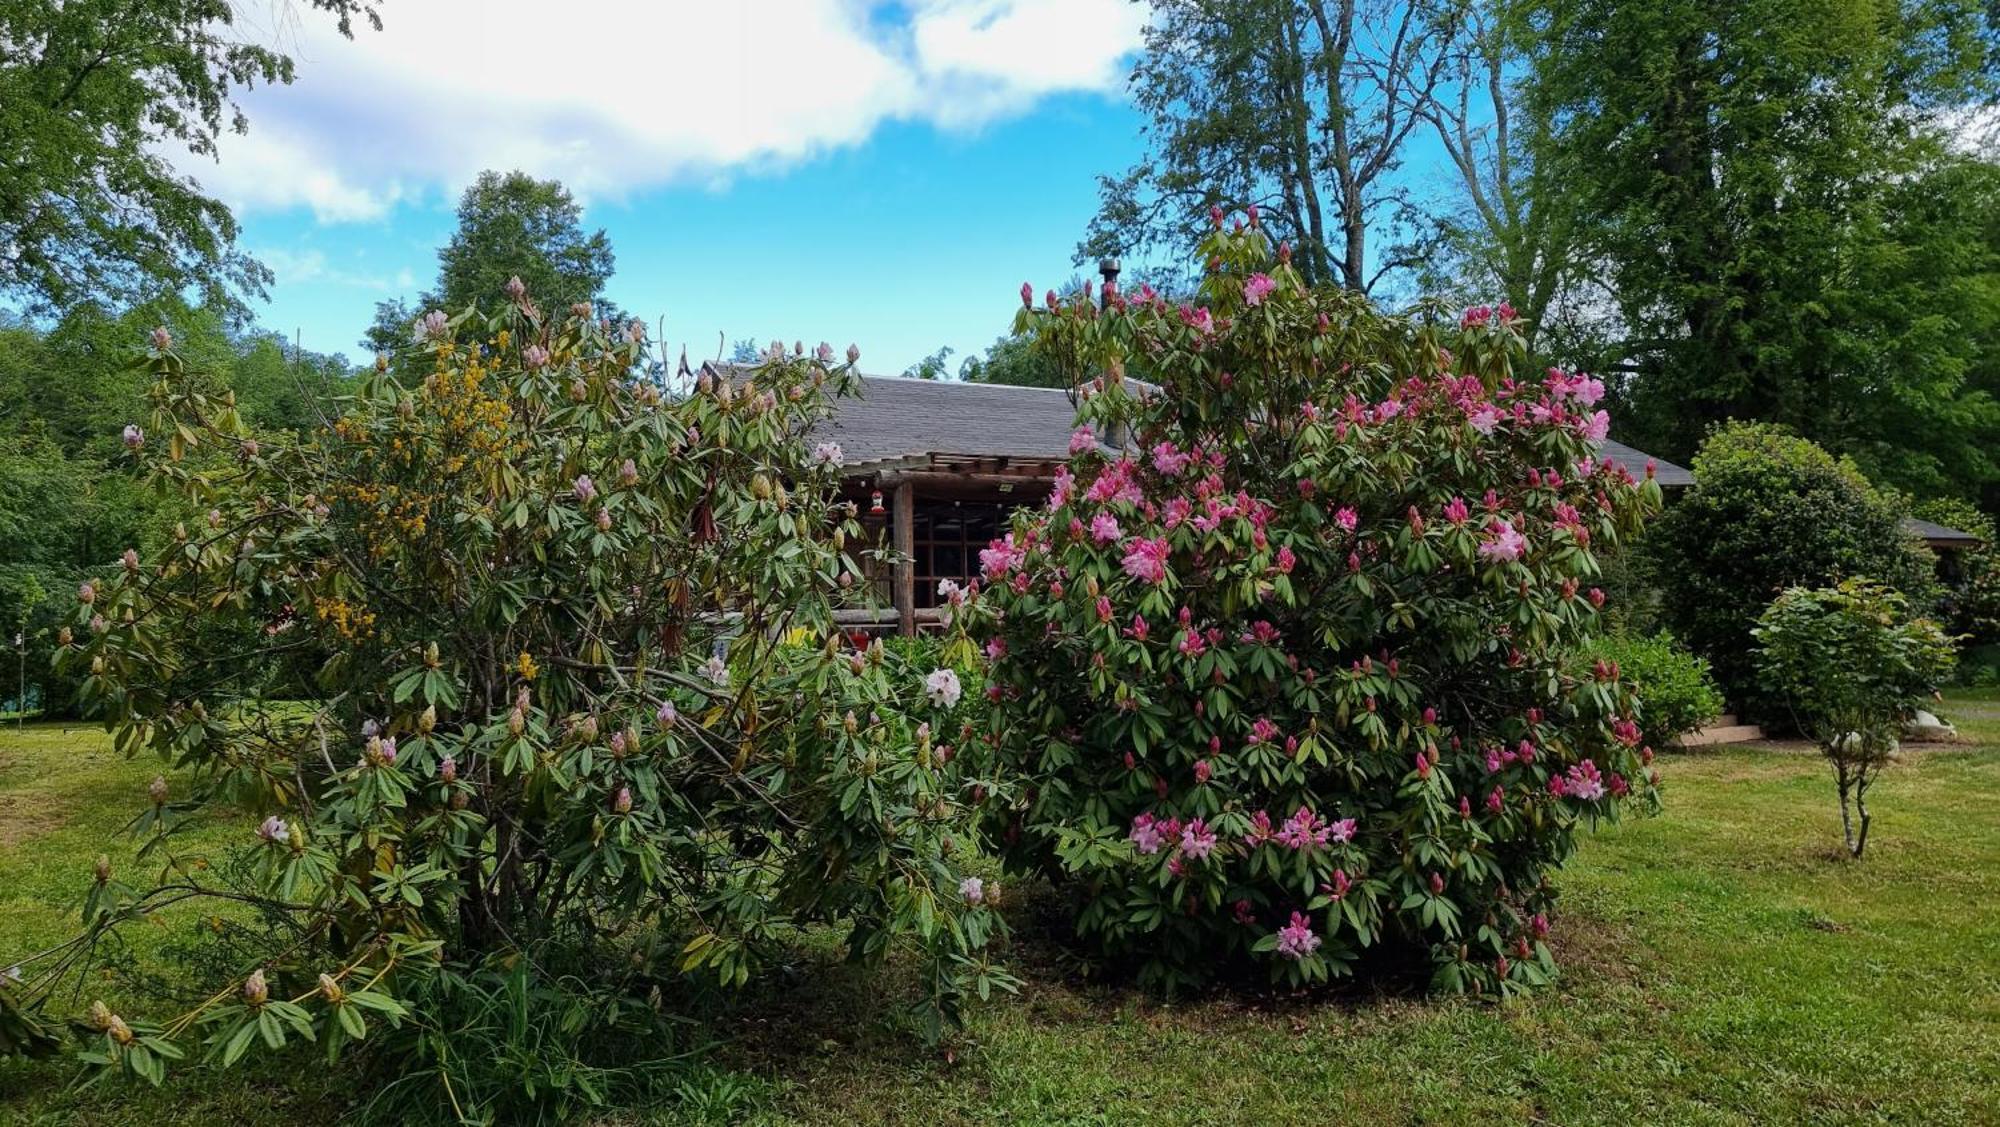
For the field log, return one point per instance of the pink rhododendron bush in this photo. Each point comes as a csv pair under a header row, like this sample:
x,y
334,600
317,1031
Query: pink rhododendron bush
x,y
529,659
1287,670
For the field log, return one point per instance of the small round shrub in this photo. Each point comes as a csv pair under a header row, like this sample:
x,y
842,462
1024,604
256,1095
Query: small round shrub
x,y
1768,511
1288,669
532,651
1676,693
1851,663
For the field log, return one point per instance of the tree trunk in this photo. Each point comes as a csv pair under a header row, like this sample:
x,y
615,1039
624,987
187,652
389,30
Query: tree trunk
x,y
1860,842
1846,818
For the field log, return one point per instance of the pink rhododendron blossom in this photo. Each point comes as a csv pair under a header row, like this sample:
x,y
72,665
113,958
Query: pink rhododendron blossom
x,y
1170,460
1585,783
1203,771
1347,518
1597,426
1147,559
1001,557
1104,528
274,830
1503,542
1341,832
1303,830
1082,439
1485,419
828,454
1296,939
1263,731
1286,561
972,890
1197,840
1257,289
1146,836
586,489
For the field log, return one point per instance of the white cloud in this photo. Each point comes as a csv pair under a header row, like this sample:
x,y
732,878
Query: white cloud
x,y
290,266
614,97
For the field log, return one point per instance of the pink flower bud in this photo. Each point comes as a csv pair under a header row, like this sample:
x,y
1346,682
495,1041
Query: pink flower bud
x,y
162,339
623,803
134,437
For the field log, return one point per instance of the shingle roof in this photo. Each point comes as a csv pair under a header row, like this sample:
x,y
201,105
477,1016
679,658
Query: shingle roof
x,y
897,418
1938,535
1634,461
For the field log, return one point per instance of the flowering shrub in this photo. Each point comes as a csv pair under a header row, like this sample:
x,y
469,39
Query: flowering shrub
x,y
1851,664
1288,667
529,650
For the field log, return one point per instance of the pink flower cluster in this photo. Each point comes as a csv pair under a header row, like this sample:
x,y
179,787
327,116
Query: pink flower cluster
x,y
1296,939
1146,559
1303,830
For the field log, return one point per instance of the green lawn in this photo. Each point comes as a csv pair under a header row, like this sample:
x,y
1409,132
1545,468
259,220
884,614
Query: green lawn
x,y
1723,964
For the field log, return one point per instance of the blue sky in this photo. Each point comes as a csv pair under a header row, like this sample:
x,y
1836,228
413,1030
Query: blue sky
x,y
885,174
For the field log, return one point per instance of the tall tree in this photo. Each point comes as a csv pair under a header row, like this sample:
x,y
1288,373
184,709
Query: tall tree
x,y
1770,191
1504,227
1303,108
510,225
93,93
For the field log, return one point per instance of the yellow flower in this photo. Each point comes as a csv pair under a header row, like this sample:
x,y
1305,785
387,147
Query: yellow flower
x,y
526,666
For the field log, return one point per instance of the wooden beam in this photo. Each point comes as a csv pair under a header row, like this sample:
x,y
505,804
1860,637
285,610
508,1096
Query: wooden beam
x,y
904,524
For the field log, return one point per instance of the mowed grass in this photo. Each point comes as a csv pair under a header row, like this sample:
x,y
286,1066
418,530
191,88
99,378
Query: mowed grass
x,y
1724,963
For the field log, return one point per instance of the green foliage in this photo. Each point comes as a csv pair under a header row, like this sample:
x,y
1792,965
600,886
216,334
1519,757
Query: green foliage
x,y
1769,511
1773,194
1011,360
1294,670
510,226
521,652
1851,664
92,93
936,366
1676,693
66,509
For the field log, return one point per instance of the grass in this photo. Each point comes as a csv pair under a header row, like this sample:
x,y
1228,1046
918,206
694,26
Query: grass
x,y
1723,964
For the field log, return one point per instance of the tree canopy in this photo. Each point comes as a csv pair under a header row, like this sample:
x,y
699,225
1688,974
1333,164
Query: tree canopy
x,y
94,94
510,225
1786,231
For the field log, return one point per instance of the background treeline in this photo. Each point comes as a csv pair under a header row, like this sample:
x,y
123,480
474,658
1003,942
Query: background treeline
x,y
69,504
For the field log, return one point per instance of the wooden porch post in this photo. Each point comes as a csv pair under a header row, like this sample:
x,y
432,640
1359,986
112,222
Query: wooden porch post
x,y
904,531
